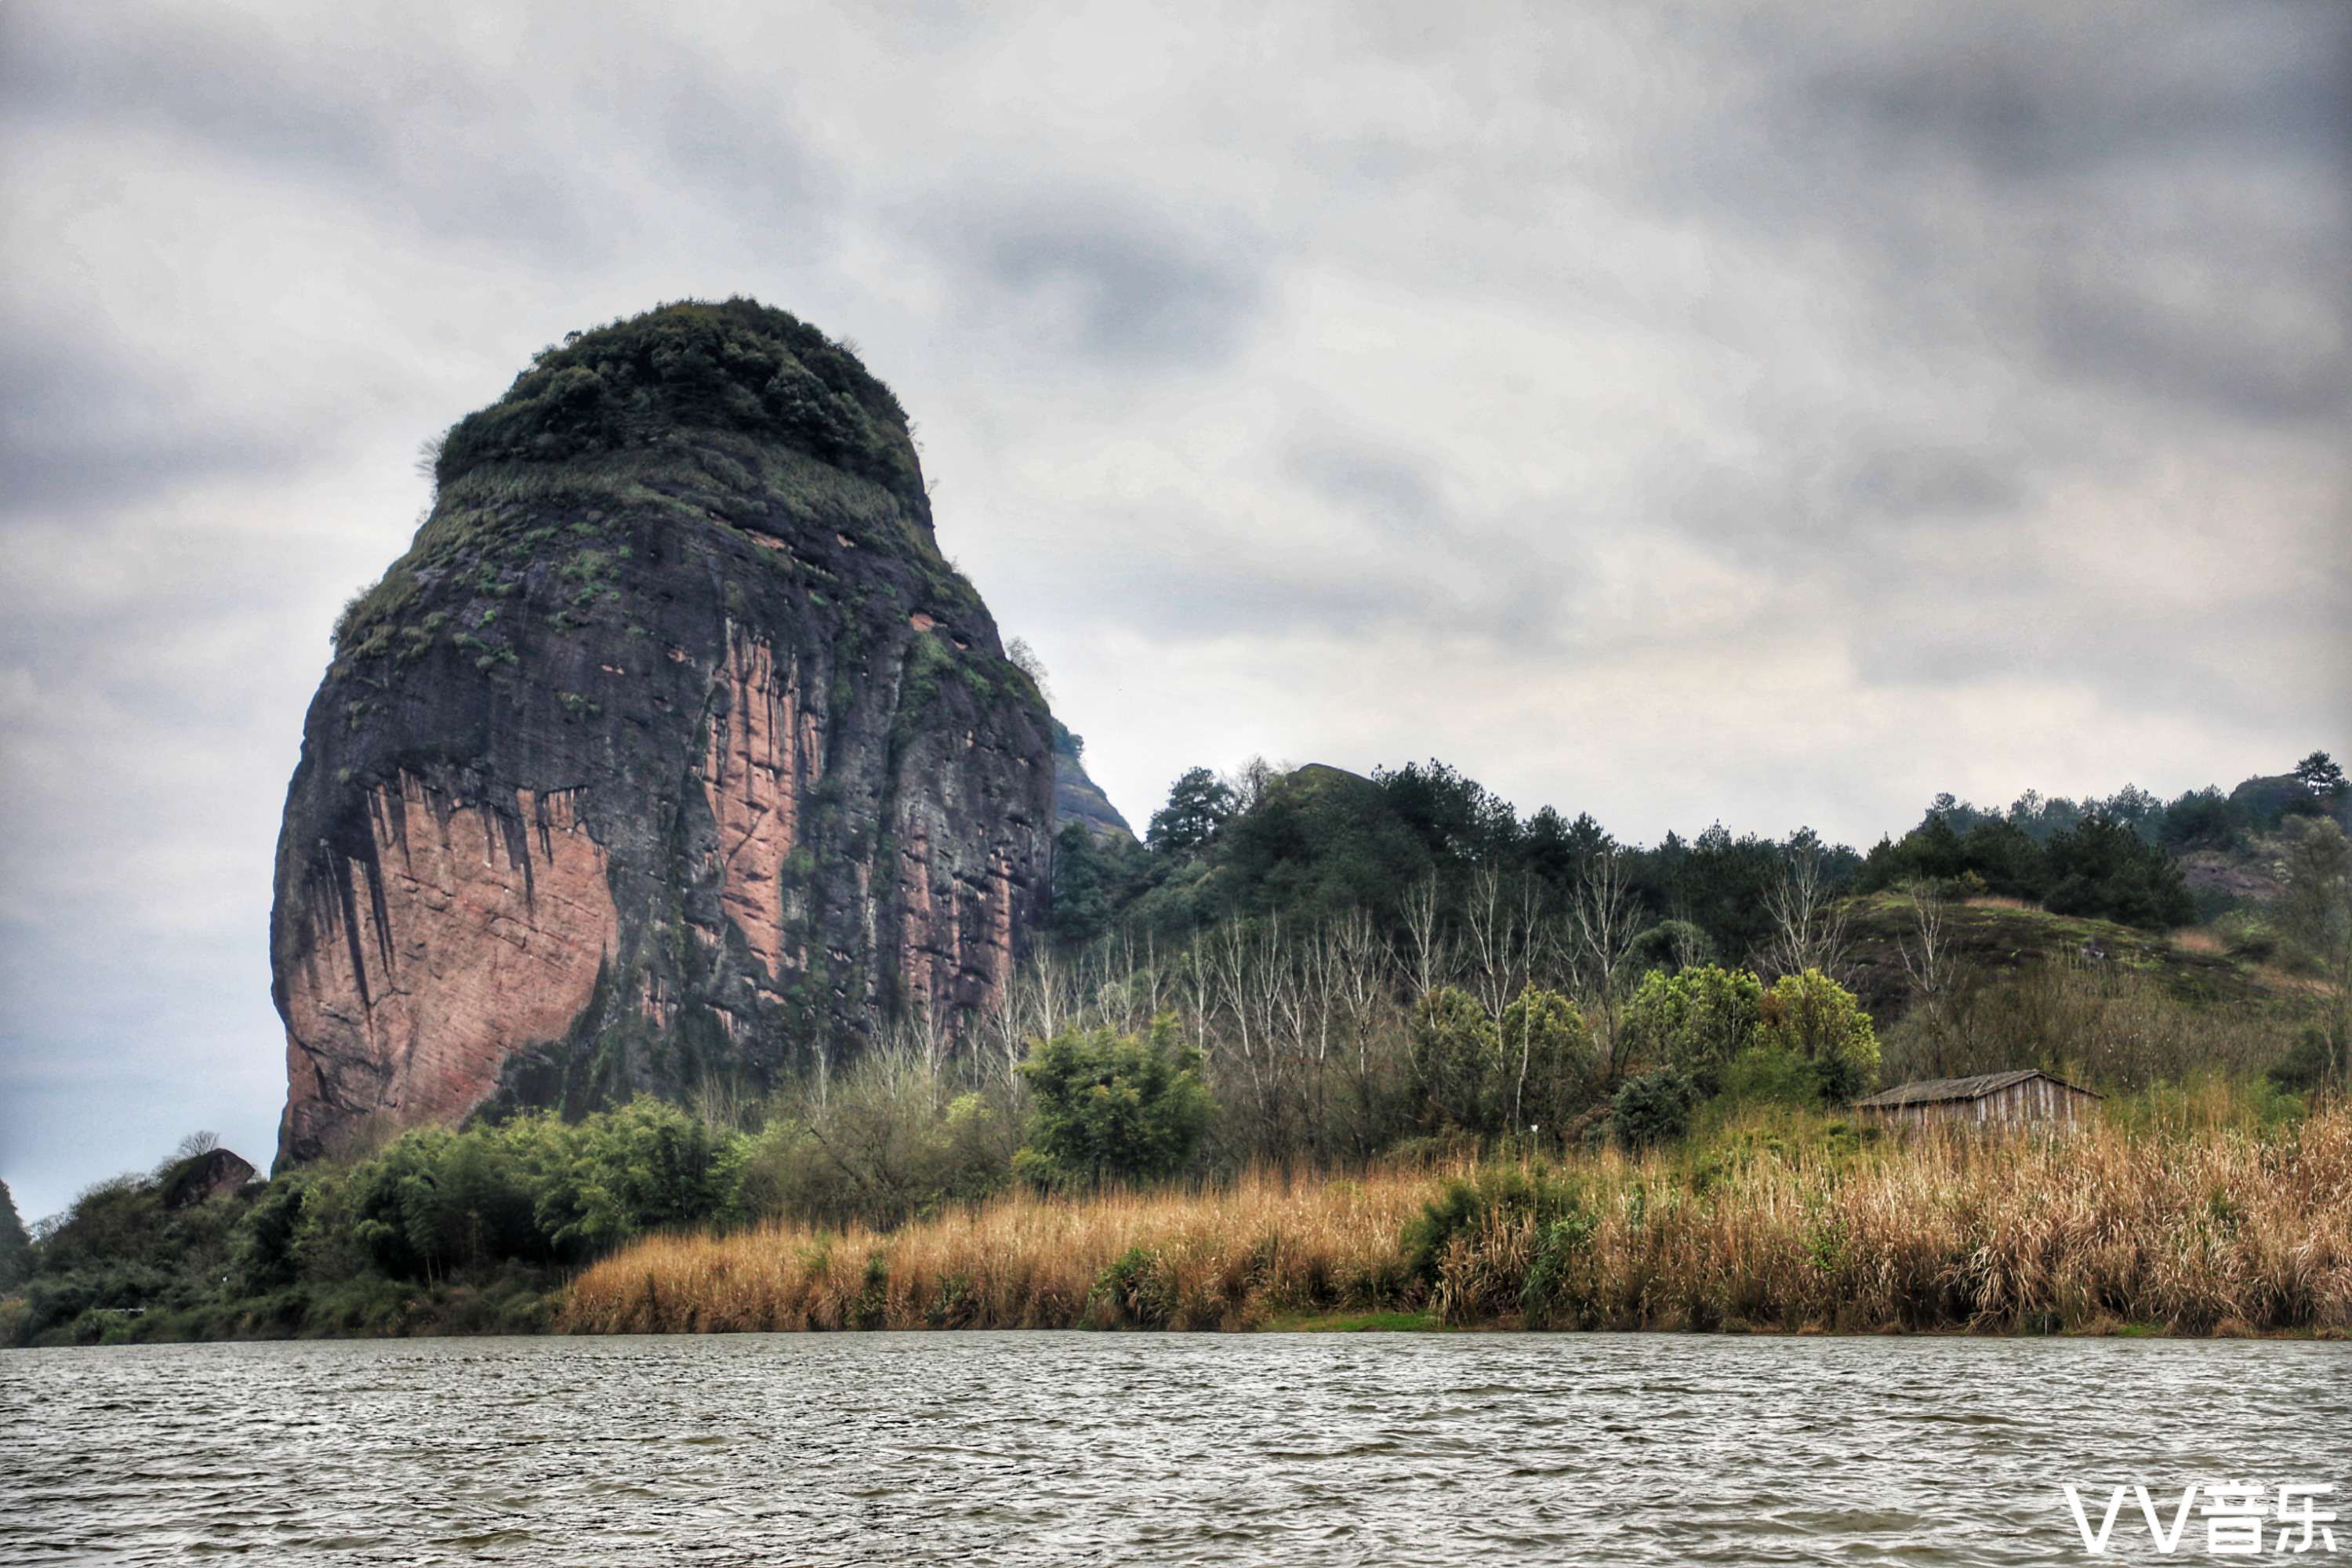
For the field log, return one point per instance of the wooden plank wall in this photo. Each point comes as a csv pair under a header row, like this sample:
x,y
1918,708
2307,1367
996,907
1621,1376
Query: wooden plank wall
x,y
2036,1102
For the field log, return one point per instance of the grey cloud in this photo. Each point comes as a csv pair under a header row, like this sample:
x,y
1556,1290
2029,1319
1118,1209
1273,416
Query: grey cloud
x,y
1147,292
436,145
1209,599
1501,597
1944,648
2125,154
1917,483
1847,499
87,426
1385,489
2085,160
2094,322
206,78
2038,95
1523,571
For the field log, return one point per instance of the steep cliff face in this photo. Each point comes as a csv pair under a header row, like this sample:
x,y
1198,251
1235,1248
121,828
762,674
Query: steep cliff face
x,y
672,749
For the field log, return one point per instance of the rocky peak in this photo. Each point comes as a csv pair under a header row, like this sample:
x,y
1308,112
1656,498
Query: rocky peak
x,y
672,751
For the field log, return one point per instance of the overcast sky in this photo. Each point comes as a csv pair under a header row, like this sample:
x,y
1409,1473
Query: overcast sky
x,y
1767,414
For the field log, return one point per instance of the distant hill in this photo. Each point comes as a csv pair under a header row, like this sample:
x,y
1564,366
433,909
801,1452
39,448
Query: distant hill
x,y
1078,798
1996,936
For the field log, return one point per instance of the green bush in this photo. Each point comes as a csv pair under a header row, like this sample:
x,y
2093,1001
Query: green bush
x,y
2309,1064
1534,1069
1816,1020
1552,1206
1457,1058
1547,1070
2246,935
1559,1273
534,1190
884,1146
1464,1203
646,1167
1112,1108
1695,1021
1654,1108
1139,1288
1774,1075
1670,945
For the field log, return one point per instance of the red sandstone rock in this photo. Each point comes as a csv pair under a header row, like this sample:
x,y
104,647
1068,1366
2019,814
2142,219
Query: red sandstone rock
x,y
525,863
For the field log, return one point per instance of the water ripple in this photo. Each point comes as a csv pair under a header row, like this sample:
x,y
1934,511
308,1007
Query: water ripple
x,y
1043,1448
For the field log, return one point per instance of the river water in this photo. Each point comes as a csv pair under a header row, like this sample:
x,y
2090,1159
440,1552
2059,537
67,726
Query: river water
x,y
1146,1448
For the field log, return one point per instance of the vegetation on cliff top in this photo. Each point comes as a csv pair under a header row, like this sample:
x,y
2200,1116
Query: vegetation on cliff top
x,y
737,365
732,417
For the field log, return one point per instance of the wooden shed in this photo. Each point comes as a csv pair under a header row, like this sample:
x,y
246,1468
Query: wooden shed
x,y
2025,1098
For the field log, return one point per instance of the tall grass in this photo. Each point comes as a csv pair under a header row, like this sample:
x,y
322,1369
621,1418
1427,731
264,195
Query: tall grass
x,y
1166,1257
2187,1224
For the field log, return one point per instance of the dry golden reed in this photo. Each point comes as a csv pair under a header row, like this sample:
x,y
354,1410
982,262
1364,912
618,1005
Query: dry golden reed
x,y
2189,1230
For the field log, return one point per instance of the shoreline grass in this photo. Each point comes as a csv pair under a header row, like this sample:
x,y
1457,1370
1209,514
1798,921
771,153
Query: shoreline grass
x,y
2159,1225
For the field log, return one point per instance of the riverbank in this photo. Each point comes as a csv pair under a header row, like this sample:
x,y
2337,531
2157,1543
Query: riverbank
x,y
1788,1227
2211,1211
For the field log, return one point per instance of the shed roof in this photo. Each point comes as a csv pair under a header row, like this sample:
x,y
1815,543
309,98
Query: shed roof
x,y
1942,1091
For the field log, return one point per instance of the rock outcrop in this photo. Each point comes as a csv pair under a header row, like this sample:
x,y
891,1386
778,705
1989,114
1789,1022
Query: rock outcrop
x,y
214,1174
1077,799
673,750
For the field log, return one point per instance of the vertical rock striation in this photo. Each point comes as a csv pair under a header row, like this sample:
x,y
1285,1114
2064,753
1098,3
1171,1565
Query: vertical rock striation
x,y
672,749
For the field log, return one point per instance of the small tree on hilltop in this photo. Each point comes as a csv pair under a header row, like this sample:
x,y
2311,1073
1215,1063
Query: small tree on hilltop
x,y
1023,657
1111,1107
2320,774
1250,783
1198,804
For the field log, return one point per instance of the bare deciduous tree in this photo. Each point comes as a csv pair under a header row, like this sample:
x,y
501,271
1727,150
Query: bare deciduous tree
x,y
1929,961
1501,926
1426,963
1691,947
1602,918
1364,994
1809,918
1251,782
